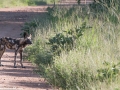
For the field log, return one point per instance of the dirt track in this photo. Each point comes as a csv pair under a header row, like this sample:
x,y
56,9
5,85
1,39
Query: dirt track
x,y
11,20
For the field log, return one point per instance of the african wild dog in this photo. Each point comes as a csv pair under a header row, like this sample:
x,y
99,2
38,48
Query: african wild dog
x,y
17,44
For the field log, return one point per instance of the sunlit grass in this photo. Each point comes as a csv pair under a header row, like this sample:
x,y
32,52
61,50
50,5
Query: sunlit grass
x,y
18,3
12,3
92,64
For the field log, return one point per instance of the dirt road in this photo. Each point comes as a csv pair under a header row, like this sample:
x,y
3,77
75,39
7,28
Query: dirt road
x,y
11,20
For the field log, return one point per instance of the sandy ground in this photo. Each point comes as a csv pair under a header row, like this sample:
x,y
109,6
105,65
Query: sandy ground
x,y
11,21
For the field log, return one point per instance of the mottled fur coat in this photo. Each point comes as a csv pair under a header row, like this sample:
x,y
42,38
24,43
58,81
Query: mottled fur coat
x,y
17,44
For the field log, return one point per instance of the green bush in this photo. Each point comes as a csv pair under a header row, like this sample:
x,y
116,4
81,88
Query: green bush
x,y
66,41
60,42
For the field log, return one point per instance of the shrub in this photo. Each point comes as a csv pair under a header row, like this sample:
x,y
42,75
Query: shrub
x,y
66,41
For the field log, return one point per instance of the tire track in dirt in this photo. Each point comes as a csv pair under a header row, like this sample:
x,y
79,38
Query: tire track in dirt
x,y
11,20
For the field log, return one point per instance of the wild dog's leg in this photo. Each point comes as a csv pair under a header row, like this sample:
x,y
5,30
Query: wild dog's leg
x,y
15,59
2,50
21,59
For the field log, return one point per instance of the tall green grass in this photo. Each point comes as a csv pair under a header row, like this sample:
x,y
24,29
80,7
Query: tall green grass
x,y
11,3
14,3
94,60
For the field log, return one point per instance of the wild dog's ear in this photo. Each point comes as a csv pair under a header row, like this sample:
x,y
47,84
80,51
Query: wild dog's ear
x,y
30,36
25,34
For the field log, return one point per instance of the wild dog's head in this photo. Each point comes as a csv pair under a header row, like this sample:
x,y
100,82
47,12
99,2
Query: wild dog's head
x,y
26,40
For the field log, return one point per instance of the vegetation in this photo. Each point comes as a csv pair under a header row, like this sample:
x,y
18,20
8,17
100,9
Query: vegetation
x,y
78,48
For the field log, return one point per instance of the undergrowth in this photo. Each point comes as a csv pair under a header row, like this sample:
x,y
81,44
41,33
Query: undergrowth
x,y
78,48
